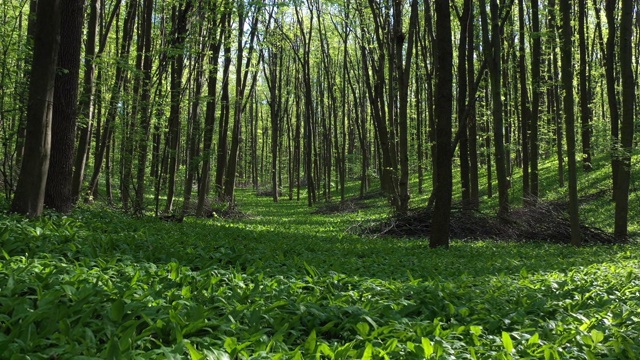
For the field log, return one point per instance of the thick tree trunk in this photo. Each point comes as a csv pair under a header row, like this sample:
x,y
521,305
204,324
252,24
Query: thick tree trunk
x,y
58,194
443,110
30,189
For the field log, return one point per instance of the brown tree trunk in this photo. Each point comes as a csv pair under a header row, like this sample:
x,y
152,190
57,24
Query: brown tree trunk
x,y
85,107
535,100
58,194
493,54
612,93
465,32
525,112
585,91
621,192
443,111
30,190
180,15
145,108
569,118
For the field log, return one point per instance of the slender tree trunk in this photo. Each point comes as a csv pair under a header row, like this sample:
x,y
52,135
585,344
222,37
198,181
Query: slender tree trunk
x,y
215,46
621,193
225,110
30,189
535,100
525,112
465,33
177,68
403,72
474,192
145,108
85,107
194,134
116,92
567,84
493,53
585,92
612,93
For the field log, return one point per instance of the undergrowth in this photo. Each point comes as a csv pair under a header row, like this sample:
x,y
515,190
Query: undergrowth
x,y
286,283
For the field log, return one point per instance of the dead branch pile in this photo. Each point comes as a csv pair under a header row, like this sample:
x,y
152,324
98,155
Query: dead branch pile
x,y
544,222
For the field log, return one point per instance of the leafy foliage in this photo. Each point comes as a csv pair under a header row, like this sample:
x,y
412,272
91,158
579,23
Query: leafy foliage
x,y
100,284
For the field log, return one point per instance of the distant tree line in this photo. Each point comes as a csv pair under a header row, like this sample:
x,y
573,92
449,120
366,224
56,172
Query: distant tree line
x,y
142,102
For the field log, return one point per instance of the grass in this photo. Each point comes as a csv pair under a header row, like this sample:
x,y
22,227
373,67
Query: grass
x,y
286,283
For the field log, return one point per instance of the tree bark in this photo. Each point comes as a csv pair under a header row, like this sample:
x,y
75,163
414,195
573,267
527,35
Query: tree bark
x,y
569,118
58,193
621,192
443,112
535,100
30,190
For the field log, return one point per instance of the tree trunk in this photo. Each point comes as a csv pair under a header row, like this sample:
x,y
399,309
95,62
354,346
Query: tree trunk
x,y
180,15
569,118
443,111
145,108
465,33
493,54
58,194
621,192
585,92
30,190
525,113
535,100
612,92
85,107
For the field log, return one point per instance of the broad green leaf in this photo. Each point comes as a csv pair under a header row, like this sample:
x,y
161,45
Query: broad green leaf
x,y
597,336
506,342
310,344
534,340
193,352
368,352
427,346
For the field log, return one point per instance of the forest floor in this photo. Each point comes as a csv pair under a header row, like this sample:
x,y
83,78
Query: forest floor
x,y
291,282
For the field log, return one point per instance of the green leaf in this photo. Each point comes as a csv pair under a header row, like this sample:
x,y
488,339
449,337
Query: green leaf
x,y
117,310
427,346
363,329
534,340
193,352
310,344
597,336
368,352
506,342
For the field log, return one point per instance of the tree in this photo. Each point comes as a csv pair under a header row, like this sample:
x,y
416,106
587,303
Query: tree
x,y
30,189
58,193
443,111
569,118
536,88
621,192
492,44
